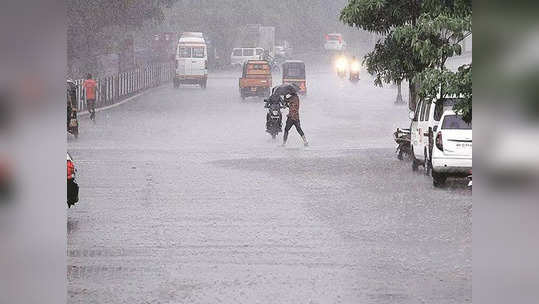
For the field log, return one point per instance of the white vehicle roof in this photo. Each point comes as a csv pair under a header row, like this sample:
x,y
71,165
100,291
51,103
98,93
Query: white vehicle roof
x,y
193,34
192,40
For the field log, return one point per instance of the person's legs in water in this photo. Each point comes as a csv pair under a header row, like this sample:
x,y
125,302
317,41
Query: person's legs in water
x,y
91,109
267,121
289,124
297,124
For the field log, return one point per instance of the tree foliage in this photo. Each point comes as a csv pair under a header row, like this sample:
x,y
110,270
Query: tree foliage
x,y
419,37
87,18
457,83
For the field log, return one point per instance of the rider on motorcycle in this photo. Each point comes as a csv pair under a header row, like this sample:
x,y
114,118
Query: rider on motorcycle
x,y
274,101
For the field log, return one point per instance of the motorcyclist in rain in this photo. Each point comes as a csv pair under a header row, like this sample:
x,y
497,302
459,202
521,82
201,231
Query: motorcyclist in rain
x,y
292,100
273,100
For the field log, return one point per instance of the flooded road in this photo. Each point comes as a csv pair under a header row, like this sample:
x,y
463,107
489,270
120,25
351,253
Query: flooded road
x,y
185,199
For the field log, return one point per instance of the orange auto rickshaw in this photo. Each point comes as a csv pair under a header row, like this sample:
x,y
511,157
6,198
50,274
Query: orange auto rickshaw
x,y
294,73
255,79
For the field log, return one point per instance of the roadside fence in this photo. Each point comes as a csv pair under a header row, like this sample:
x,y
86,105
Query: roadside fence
x,y
115,88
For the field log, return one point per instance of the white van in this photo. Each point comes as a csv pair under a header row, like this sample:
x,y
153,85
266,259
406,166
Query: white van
x,y
241,55
424,120
191,60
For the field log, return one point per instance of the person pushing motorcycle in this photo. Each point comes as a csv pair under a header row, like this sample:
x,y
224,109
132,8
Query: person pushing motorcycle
x,y
292,100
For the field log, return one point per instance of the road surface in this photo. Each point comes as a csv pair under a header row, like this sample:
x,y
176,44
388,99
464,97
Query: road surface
x,y
185,199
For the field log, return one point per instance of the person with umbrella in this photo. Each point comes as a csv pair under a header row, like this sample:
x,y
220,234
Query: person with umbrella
x,y
292,101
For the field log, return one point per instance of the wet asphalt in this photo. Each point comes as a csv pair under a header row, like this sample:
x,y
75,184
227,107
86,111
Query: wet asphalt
x,y
185,199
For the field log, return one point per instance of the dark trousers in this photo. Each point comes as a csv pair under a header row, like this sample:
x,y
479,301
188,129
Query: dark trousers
x,y
289,124
90,103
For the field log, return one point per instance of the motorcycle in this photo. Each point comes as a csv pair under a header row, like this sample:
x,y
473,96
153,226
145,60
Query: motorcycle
x,y
72,120
402,138
274,62
341,65
275,65
354,71
274,116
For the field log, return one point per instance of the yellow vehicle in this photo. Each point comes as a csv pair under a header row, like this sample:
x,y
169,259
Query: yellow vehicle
x,y
294,73
256,79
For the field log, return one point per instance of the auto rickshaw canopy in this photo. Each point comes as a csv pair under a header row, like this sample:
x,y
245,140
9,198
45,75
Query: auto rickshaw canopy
x,y
293,69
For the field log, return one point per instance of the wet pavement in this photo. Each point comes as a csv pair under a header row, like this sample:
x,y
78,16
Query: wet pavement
x,y
185,199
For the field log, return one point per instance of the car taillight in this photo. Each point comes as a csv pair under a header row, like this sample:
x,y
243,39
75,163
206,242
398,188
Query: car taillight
x,y
439,143
70,169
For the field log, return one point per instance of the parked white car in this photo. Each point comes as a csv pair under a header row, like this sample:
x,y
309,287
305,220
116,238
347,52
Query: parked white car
x,y
452,151
241,55
425,118
335,42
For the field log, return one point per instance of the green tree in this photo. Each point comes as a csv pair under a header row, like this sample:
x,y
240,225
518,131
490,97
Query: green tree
x,y
435,39
419,35
391,61
87,18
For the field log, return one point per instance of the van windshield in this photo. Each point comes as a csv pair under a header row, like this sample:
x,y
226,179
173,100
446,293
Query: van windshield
x,y
184,52
248,52
198,52
236,52
455,122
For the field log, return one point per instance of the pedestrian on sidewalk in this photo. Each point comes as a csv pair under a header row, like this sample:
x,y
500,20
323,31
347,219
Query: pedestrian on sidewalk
x,y
292,100
90,88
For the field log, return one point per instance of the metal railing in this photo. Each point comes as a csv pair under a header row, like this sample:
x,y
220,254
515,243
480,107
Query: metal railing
x,y
115,88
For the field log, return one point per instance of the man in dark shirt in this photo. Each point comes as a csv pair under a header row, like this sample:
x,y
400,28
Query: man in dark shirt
x,y
293,119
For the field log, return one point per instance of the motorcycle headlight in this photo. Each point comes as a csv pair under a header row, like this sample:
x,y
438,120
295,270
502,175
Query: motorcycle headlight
x,y
341,63
355,66
275,112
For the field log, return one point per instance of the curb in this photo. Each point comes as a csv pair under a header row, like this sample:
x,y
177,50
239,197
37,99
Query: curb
x,y
84,113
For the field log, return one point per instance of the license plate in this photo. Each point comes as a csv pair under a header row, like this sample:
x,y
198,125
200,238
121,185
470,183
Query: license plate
x,y
464,145
253,89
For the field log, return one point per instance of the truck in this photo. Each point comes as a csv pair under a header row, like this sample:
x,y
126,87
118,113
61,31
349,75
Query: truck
x,y
256,35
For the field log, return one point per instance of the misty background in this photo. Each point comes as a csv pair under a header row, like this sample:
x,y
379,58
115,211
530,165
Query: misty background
x,y
97,30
